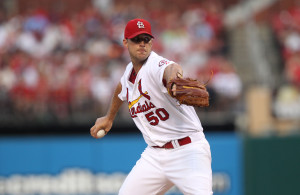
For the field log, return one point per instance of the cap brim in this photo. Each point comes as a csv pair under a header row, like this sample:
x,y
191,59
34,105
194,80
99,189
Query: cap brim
x,y
138,33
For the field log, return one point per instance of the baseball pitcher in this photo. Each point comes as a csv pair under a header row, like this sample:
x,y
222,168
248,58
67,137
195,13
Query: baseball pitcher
x,y
160,102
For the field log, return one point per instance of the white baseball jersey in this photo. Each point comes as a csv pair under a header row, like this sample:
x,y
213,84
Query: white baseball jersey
x,y
160,121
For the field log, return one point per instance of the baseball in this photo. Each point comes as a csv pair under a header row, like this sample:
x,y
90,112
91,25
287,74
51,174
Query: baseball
x,y
100,133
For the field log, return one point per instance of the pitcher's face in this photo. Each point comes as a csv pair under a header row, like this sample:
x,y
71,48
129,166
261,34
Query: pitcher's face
x,y
139,47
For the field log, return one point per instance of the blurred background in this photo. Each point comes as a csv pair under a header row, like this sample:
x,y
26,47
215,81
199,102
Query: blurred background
x,y
60,61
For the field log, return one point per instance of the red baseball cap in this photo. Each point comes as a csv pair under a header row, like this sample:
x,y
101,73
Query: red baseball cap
x,y
136,27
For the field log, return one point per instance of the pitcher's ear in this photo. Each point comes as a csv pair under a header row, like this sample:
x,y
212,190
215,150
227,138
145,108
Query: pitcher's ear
x,y
125,43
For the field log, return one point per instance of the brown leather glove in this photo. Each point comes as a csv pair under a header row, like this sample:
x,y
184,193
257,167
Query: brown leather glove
x,y
189,91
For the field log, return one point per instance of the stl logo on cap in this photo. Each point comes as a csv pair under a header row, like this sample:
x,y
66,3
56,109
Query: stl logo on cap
x,y
140,24
136,27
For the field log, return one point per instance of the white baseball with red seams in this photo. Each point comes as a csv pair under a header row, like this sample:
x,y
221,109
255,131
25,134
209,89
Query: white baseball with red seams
x,y
101,133
161,119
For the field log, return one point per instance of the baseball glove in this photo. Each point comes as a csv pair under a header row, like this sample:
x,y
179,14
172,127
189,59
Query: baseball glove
x,y
189,91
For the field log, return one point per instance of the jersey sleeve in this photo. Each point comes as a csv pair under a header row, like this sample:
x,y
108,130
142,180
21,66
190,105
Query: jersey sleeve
x,y
123,94
158,72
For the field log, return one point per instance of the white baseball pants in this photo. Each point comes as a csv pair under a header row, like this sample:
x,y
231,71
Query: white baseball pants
x,y
188,167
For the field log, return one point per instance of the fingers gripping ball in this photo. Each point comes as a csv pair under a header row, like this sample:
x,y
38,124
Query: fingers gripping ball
x,y
189,91
101,133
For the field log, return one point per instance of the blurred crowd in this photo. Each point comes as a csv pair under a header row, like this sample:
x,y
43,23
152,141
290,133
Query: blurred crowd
x,y
286,25
62,66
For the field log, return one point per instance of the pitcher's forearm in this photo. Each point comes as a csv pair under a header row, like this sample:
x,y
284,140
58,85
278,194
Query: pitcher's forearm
x,y
115,103
172,71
